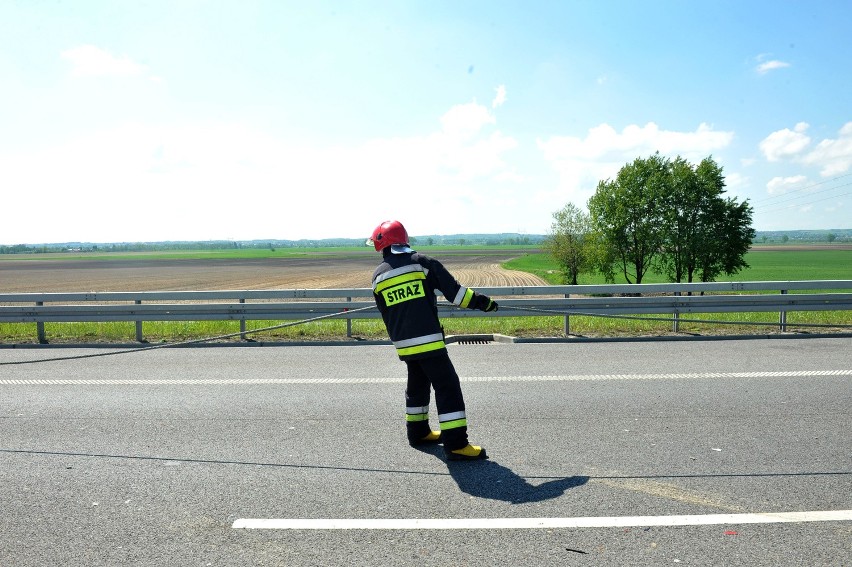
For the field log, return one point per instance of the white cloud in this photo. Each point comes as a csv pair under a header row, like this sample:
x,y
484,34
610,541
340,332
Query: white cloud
x,y
582,162
91,61
635,141
464,121
500,97
785,143
219,179
833,156
767,66
781,185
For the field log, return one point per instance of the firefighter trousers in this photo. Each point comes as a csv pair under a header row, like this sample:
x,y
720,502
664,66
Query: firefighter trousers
x,y
436,372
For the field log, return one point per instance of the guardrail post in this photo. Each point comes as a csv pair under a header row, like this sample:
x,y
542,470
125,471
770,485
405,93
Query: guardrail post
x,y
567,324
42,337
243,322
783,321
348,322
139,337
676,317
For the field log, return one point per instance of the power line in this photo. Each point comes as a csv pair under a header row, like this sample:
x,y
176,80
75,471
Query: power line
x,y
793,205
796,197
805,188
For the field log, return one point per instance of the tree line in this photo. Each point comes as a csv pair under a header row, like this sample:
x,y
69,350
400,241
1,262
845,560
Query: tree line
x,y
659,213
502,239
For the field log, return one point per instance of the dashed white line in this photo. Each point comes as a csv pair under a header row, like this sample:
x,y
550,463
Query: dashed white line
x,y
540,523
380,380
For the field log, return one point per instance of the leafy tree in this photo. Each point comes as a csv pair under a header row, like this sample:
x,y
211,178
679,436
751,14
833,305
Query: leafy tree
x,y
674,216
681,207
705,235
725,227
571,242
730,235
626,213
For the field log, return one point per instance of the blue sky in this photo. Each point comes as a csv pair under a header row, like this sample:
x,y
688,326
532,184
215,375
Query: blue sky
x,y
189,120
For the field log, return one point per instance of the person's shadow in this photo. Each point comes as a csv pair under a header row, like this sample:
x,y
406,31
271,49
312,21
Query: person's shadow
x,y
489,479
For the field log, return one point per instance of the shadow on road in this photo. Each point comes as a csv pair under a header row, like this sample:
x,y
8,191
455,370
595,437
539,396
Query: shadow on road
x,y
489,479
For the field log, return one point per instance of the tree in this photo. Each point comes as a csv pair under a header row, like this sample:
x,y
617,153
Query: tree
x,y
729,237
626,213
714,240
674,216
725,227
571,242
684,200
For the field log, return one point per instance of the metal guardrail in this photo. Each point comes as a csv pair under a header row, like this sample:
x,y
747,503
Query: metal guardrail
x,y
298,304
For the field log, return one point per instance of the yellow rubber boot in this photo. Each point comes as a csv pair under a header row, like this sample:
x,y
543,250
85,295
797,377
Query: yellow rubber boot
x,y
469,453
428,439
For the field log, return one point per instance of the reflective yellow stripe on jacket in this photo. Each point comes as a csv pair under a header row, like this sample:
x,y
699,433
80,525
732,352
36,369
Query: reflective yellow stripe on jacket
x,y
419,345
398,276
463,297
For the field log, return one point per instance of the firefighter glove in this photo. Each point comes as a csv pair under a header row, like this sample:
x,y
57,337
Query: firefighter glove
x,y
492,306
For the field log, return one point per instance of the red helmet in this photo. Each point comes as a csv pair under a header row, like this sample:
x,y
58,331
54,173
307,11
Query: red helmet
x,y
387,234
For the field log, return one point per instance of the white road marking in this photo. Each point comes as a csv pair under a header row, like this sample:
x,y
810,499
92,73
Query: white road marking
x,y
540,523
395,380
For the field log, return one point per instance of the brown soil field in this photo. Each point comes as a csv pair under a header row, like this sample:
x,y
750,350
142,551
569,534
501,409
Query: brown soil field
x,y
350,271
318,271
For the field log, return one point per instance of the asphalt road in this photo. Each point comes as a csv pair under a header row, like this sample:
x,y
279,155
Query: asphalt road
x,y
153,458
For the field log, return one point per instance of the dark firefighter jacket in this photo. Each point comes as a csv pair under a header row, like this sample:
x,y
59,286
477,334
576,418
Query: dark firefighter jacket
x,y
404,287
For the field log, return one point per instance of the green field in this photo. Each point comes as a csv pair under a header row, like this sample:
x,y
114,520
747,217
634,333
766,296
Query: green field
x,y
764,265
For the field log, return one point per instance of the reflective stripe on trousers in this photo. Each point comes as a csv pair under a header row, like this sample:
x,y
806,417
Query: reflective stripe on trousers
x,y
452,420
418,413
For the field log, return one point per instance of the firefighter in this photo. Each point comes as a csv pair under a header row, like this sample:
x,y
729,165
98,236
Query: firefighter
x,y
404,287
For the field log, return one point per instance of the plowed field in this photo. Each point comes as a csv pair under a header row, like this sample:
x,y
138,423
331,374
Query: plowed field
x,y
311,272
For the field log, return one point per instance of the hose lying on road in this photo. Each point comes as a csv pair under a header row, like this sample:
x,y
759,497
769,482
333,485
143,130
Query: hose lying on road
x,y
190,342
539,311
668,319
